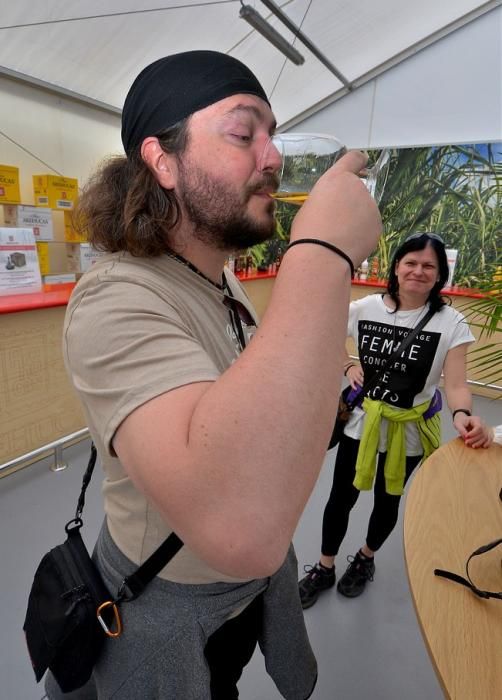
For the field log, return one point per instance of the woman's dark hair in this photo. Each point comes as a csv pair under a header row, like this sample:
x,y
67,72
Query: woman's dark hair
x,y
414,242
123,207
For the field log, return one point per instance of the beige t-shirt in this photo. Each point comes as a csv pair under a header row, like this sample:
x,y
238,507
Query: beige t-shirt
x,y
134,329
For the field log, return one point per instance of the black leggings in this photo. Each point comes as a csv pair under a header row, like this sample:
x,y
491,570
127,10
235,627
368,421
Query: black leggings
x,y
344,495
231,647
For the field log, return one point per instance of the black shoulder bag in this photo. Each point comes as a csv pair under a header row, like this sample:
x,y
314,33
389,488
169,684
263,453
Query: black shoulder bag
x,y
350,398
70,610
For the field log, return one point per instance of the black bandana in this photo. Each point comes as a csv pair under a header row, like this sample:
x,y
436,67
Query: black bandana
x,y
176,86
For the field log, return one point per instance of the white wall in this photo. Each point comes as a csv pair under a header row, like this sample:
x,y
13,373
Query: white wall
x,y
450,92
43,133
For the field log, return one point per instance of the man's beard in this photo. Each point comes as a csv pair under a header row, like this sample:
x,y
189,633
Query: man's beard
x,y
218,213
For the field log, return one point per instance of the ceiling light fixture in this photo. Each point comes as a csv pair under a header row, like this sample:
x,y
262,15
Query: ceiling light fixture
x,y
266,30
306,41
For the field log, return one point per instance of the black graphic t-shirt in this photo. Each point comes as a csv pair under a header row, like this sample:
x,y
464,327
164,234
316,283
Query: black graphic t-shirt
x,y
412,378
402,380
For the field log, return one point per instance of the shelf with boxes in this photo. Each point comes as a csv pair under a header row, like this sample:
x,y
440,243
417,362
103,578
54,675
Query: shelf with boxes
x,y
38,243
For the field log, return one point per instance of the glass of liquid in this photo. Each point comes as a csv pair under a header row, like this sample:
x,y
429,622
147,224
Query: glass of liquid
x,y
305,157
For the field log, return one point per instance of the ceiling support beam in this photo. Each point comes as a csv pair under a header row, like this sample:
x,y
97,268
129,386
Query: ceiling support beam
x,y
57,90
306,42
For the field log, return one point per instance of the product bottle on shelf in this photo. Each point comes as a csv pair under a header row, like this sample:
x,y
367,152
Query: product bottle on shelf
x,y
364,270
237,265
375,267
249,265
243,265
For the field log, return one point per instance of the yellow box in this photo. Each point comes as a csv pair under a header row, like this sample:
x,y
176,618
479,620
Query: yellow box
x,y
9,185
70,234
43,257
55,191
52,257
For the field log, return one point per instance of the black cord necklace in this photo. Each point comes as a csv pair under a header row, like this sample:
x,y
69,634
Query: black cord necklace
x,y
221,286
229,300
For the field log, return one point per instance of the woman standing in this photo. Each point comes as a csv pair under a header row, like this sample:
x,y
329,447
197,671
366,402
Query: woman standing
x,y
398,423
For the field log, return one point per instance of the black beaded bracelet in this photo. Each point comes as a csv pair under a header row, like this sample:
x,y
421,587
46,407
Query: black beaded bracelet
x,y
346,369
330,246
460,410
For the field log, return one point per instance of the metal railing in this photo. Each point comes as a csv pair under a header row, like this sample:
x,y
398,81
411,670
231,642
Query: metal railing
x,y
57,447
495,387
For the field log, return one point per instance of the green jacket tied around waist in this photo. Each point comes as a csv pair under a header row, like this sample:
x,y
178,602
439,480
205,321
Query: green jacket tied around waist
x,y
429,431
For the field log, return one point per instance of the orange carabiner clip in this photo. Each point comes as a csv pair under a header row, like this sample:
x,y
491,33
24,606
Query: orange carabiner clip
x,y
107,630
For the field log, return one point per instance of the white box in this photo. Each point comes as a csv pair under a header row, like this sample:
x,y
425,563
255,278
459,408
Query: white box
x,y
37,218
68,278
19,269
81,256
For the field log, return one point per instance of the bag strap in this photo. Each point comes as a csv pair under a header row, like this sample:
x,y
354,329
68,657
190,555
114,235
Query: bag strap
x,y
85,482
133,584
402,347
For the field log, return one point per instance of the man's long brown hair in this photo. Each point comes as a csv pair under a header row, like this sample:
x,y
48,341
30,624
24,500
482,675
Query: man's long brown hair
x,y
123,207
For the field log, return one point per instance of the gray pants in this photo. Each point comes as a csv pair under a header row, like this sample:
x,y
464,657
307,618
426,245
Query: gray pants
x,y
160,654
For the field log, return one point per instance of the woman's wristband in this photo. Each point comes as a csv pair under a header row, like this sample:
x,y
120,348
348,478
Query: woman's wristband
x,y
346,369
460,410
325,244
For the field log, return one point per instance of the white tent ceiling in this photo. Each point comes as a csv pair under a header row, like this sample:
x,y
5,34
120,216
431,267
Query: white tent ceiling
x,y
95,48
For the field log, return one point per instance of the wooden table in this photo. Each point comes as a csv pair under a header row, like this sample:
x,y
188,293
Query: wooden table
x,y
452,508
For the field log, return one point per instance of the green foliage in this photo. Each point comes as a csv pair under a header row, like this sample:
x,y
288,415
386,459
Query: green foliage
x,y
266,253
485,313
455,191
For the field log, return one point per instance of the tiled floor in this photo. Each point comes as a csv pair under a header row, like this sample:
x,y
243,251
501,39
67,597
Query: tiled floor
x,y
369,647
